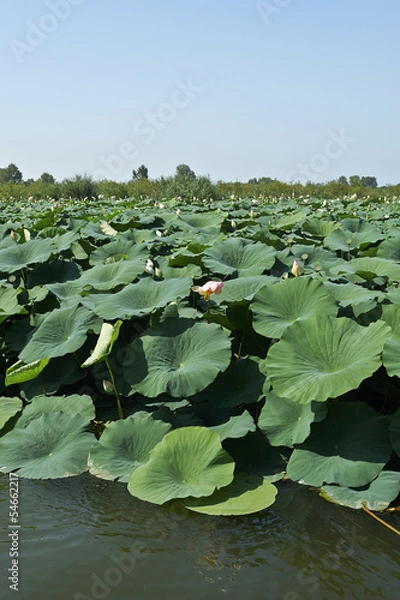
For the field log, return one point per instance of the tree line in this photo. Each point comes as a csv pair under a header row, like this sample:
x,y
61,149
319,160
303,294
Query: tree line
x,y
184,184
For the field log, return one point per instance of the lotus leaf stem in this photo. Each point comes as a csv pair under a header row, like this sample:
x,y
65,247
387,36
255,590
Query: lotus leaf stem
x,y
120,413
381,520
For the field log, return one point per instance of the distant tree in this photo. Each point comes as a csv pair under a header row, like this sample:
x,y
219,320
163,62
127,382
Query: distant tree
x,y
343,180
10,174
80,186
354,180
184,171
141,173
47,178
265,180
29,181
253,181
369,182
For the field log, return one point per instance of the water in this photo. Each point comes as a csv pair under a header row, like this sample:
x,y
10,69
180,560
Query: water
x,y
87,539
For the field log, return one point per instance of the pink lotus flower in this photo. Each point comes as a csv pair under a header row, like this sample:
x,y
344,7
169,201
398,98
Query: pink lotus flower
x,y
209,288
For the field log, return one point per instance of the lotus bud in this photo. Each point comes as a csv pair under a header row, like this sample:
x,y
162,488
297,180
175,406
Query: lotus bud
x,y
296,269
107,386
157,273
149,268
233,224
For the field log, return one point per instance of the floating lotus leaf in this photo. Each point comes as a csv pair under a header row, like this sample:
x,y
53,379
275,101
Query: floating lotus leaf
x,y
51,446
205,221
377,496
187,462
277,306
53,271
390,249
74,404
239,257
180,357
254,455
391,315
286,423
371,266
121,249
139,299
246,494
241,383
319,228
324,357
237,426
357,235
8,408
9,303
394,432
125,445
110,275
391,354
242,288
59,372
18,256
62,332
349,447
348,294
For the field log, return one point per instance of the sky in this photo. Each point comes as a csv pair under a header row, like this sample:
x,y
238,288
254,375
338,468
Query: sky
x,y
290,89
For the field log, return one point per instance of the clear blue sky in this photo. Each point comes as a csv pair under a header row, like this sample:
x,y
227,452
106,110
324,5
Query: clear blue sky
x,y
292,89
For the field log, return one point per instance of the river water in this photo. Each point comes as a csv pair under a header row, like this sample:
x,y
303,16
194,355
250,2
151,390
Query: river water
x,y
83,538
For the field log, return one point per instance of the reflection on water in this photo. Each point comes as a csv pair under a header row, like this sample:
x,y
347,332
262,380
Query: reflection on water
x,y
87,539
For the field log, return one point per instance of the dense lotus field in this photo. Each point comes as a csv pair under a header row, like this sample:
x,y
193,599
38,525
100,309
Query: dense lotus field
x,y
201,353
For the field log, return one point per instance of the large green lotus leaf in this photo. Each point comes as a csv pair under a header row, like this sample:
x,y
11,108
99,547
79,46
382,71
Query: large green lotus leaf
x,y
237,426
62,332
373,265
318,228
359,298
121,249
20,372
391,315
8,408
74,404
246,494
180,357
51,446
390,249
344,239
9,303
242,288
391,354
239,257
254,455
59,371
286,423
276,307
241,383
138,299
394,432
377,496
110,275
108,336
18,256
54,271
313,259
349,447
325,357
204,221
125,445
187,462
